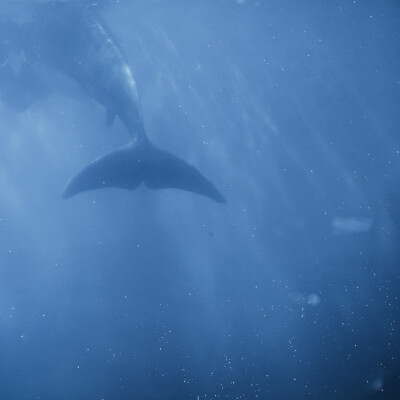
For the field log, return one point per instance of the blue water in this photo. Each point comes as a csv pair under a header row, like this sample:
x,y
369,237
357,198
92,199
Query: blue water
x,y
290,290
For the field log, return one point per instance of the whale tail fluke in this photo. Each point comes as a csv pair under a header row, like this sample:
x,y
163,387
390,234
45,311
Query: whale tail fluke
x,y
133,164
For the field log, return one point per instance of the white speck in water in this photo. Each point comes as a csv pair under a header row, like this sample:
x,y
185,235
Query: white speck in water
x,y
313,299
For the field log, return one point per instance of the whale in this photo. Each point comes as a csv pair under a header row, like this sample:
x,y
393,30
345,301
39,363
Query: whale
x,y
73,39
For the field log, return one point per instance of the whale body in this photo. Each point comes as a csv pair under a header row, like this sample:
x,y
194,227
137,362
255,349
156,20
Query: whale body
x,y
73,39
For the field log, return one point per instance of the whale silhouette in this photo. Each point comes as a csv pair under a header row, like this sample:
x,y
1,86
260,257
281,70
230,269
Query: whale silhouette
x,y
73,39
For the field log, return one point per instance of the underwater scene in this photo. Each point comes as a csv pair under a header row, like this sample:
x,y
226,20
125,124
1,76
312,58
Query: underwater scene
x,y
199,199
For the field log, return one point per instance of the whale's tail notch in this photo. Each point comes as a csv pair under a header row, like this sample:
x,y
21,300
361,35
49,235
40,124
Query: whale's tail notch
x,y
133,164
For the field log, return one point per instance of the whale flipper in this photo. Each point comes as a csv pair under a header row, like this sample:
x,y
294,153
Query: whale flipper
x,y
20,84
133,164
